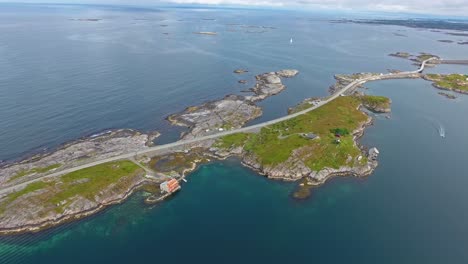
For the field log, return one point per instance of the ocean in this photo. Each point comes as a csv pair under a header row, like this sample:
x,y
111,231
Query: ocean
x,y
62,78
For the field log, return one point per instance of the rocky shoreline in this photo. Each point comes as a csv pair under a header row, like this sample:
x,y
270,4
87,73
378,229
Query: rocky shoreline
x,y
294,169
233,110
70,216
105,144
449,89
435,78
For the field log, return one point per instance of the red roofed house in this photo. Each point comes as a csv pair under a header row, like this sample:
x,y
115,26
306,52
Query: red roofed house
x,y
170,186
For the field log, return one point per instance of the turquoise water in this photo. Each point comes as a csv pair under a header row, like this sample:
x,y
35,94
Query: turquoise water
x,y
79,78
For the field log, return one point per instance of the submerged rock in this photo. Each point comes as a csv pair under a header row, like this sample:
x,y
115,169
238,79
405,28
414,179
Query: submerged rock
x,y
240,71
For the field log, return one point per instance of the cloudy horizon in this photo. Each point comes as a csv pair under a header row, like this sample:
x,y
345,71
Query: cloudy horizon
x,y
447,7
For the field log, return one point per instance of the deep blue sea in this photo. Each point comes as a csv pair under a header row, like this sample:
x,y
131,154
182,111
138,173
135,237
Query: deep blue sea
x,y
61,79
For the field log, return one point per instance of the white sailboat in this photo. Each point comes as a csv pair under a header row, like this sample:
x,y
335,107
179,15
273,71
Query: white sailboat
x,y
291,41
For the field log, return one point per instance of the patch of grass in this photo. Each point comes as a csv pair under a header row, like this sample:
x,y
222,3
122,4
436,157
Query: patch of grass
x,y
32,187
424,57
34,170
87,183
401,54
327,154
28,189
450,81
90,181
340,131
373,101
232,141
178,161
275,144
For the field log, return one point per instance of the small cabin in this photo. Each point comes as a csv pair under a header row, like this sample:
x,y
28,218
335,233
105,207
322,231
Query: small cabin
x,y
170,186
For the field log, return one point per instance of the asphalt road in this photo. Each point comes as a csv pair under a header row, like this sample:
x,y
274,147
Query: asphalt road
x,y
179,143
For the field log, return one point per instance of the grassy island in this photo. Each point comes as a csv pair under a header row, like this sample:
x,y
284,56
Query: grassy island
x,y
376,103
317,138
453,82
73,192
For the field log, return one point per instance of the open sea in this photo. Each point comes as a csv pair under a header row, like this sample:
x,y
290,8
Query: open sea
x,y
62,78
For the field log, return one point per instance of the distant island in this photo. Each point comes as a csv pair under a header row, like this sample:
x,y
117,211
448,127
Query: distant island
x,y
412,23
206,33
314,142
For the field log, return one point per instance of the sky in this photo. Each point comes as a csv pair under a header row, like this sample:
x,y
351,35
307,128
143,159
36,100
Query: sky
x,y
443,7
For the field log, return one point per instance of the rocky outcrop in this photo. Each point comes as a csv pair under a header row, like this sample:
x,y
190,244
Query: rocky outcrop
x,y
447,95
231,112
287,73
379,107
342,80
400,54
103,145
240,71
418,59
459,85
270,83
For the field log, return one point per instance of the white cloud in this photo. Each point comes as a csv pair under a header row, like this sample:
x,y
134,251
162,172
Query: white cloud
x,y
450,7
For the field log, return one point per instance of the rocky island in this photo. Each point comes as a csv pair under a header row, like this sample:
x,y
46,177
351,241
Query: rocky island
x,y
233,111
69,196
417,59
451,82
447,95
206,33
72,196
376,104
311,147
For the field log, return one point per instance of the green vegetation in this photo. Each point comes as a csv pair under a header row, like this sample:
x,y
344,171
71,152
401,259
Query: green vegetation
x,y
374,102
232,141
34,170
90,181
178,161
340,131
424,57
450,81
87,183
401,54
275,144
28,189
308,103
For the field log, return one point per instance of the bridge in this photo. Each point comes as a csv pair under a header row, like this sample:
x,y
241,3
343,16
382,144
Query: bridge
x,y
168,148
461,62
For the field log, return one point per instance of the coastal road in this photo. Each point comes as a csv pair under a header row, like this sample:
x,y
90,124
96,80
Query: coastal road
x,y
161,148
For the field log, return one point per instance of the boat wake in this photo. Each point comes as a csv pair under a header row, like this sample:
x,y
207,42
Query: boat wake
x,y
438,126
441,130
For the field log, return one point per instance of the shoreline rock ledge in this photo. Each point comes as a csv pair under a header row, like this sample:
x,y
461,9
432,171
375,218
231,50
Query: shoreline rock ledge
x,y
231,112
